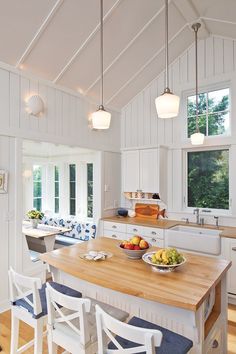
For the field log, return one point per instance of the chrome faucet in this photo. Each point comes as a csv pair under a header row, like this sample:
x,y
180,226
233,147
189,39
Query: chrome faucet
x,y
217,220
196,212
186,220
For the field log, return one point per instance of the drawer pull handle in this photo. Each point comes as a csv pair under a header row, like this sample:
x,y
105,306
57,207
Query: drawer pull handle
x,y
234,249
114,226
154,240
135,230
154,233
114,236
215,344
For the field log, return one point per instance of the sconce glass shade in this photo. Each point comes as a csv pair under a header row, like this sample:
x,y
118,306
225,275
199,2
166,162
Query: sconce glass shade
x,y
35,105
197,138
101,119
167,105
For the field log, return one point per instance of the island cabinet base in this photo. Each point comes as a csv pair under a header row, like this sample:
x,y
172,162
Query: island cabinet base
x,y
209,337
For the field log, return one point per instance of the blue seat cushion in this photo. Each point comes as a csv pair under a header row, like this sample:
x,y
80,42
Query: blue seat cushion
x,y
172,343
42,293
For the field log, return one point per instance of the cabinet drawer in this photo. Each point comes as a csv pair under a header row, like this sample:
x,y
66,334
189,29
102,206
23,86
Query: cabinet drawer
x,y
115,235
135,229
114,226
154,241
153,232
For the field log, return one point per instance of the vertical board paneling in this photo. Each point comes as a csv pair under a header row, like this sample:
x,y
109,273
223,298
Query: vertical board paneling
x,y
191,64
210,66
24,92
219,55
140,119
43,121
123,130
72,122
147,112
228,55
184,68
51,112
201,59
65,114
14,101
161,124
128,126
34,120
4,98
134,121
153,113
58,113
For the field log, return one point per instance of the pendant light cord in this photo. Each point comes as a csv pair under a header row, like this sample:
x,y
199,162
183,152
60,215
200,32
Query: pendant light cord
x,y
101,49
196,27
166,49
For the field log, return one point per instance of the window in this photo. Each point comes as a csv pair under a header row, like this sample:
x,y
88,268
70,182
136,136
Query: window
x,y
89,190
208,179
213,112
37,187
56,189
72,188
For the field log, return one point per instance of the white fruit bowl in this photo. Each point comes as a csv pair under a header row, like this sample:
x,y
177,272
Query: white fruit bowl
x,y
163,268
134,254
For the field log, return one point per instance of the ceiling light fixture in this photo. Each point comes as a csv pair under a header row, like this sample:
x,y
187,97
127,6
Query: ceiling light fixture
x,y
167,105
101,118
197,138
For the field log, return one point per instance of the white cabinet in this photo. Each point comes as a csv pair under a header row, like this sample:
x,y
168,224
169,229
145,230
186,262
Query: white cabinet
x,y
130,170
145,170
229,252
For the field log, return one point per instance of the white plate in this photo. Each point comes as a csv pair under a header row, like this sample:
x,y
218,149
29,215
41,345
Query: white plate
x,y
147,258
96,255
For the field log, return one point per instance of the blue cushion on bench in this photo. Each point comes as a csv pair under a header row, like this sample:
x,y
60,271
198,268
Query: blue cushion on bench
x,y
42,293
171,342
66,241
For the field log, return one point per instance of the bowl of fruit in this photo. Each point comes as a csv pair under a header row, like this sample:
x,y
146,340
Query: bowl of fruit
x,y
135,247
164,260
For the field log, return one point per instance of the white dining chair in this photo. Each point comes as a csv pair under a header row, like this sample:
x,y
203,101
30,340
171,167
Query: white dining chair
x,y
69,329
136,336
28,304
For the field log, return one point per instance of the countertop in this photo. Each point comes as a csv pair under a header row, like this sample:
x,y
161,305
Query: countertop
x,y
187,287
226,231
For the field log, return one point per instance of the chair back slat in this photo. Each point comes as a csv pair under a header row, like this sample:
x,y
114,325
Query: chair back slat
x,y
21,286
78,306
148,339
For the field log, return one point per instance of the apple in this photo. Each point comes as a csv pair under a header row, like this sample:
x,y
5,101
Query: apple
x,y
137,247
129,246
136,240
143,244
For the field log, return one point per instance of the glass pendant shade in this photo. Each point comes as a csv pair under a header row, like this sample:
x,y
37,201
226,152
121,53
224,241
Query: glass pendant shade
x,y
197,138
101,119
167,105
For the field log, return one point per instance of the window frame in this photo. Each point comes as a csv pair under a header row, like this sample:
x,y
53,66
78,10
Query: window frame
x,y
58,182
76,188
206,89
41,182
207,211
86,181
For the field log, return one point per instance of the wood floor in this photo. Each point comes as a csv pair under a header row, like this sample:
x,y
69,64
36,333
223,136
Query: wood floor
x,y
26,333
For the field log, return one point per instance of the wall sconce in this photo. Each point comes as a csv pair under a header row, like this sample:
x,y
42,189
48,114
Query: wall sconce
x,y
34,105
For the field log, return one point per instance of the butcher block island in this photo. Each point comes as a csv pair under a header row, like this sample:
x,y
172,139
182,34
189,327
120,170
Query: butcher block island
x,y
191,301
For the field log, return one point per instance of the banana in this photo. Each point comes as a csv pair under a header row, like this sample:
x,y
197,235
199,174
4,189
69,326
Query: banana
x,y
158,254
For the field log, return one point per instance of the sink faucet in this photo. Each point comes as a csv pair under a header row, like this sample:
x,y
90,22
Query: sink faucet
x,y
217,220
196,212
186,220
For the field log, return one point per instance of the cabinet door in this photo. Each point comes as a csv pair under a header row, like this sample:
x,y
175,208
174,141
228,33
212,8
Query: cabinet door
x,y
149,179
232,270
130,161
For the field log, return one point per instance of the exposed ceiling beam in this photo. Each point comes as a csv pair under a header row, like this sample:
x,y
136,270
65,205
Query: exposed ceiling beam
x,y
92,34
191,15
126,48
144,66
39,33
218,20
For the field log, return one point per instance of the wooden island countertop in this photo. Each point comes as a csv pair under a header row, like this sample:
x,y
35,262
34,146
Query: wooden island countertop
x,y
187,287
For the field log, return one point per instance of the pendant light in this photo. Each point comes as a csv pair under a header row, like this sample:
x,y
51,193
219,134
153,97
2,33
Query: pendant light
x,y
196,138
101,118
167,105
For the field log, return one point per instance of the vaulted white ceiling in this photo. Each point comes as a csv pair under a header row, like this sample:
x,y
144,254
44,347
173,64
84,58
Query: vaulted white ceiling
x,y
58,40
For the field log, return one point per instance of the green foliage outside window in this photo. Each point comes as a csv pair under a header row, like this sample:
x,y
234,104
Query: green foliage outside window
x,y
37,187
56,189
72,188
89,190
213,112
208,179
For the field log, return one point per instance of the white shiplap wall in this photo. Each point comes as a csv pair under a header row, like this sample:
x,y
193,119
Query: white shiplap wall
x,y
140,127
65,121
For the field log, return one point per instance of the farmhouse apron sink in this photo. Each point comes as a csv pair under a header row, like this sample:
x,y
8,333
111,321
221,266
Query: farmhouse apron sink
x,y
194,239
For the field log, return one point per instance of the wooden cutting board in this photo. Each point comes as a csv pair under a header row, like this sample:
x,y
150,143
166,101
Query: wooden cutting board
x,y
147,210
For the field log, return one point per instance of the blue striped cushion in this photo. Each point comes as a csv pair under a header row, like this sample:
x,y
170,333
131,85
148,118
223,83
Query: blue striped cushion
x,y
42,293
172,343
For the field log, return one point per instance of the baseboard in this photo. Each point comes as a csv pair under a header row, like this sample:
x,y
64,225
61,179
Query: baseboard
x,y
232,299
4,306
